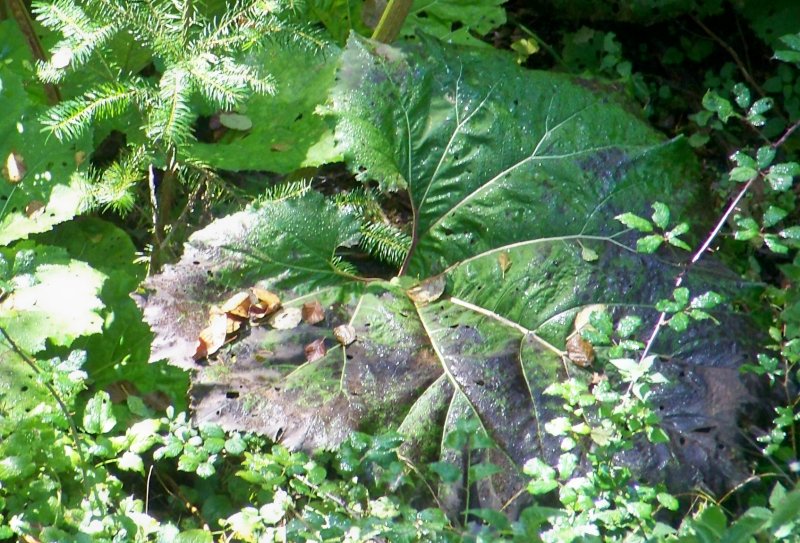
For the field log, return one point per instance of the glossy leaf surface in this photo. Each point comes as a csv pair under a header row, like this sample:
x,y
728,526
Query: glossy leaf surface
x,y
513,176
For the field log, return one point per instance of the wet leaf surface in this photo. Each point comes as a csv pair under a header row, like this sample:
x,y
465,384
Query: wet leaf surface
x,y
510,184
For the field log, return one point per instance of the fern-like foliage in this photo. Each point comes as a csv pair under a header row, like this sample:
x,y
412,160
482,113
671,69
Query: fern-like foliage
x,y
385,242
286,191
199,54
189,57
378,237
115,187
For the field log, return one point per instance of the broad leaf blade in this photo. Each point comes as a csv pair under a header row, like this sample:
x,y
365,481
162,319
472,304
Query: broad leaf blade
x,y
51,297
513,175
40,190
497,159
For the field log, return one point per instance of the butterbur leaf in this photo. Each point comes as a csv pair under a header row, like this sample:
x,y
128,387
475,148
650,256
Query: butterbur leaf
x,y
52,297
39,186
507,183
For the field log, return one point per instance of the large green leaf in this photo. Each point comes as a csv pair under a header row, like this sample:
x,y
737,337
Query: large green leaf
x,y
512,175
119,355
286,133
455,21
48,296
44,192
499,159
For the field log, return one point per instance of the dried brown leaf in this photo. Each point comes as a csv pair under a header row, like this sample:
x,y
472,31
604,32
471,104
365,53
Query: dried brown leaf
x,y
345,334
238,304
428,291
212,337
580,351
315,350
313,312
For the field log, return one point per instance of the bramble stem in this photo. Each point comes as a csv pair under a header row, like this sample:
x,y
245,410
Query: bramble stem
x,y
662,318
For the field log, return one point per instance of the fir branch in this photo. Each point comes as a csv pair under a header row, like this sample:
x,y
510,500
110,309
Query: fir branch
x,y
216,85
385,242
65,17
171,119
286,191
343,267
362,199
73,53
69,119
115,187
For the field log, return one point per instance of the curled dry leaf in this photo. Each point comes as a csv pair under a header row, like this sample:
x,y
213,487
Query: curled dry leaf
x,y
287,318
312,312
580,351
15,167
212,337
238,305
263,303
504,260
428,291
345,334
315,350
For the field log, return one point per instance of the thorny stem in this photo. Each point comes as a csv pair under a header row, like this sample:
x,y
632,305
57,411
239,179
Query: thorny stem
x,y
662,318
789,131
62,406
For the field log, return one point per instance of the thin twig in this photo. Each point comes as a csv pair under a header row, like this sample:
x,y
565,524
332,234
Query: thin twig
x,y
734,55
662,318
789,131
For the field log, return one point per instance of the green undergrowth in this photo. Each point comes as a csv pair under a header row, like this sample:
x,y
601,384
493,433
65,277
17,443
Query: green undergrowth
x,y
517,305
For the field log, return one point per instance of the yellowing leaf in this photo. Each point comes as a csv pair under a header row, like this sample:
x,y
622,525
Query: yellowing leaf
x,y
15,167
287,318
238,304
212,337
345,334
